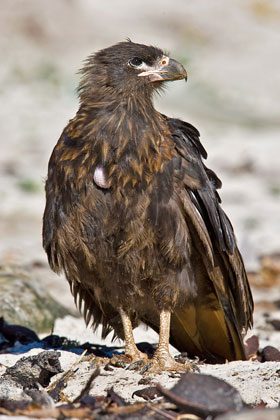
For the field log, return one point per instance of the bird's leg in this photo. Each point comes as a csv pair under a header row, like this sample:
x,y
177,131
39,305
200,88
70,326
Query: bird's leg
x,y
162,358
162,355
130,347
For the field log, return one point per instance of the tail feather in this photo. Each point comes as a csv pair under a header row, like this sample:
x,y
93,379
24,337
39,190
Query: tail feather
x,y
201,331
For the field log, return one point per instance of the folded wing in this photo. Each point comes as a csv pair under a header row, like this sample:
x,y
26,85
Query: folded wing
x,y
212,324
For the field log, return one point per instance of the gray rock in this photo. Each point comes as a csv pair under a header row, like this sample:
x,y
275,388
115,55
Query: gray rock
x,y
21,381
24,301
34,369
203,395
11,391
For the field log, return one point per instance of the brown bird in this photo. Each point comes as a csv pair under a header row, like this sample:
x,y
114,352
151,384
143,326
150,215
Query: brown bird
x,y
134,220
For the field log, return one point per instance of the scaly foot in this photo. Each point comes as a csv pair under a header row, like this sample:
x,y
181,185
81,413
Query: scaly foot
x,y
163,361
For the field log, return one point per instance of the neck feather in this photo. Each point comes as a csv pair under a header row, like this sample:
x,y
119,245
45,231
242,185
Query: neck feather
x,y
126,136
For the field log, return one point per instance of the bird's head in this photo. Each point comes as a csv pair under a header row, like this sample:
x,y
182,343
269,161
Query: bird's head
x,y
129,67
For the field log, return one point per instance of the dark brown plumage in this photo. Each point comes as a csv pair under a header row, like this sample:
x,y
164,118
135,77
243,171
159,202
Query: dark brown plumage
x,y
134,220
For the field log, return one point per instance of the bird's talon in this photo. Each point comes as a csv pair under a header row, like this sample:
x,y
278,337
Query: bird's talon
x,y
167,363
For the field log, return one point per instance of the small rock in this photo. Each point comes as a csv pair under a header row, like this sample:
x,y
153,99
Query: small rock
x,y
275,323
270,354
203,395
148,394
251,346
34,369
146,380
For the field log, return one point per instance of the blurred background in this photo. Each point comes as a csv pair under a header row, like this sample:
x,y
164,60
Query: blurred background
x,y
231,52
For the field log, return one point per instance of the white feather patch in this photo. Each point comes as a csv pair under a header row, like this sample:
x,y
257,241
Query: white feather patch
x,y
100,178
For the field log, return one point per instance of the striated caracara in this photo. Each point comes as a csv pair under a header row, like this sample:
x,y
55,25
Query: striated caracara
x,y
133,217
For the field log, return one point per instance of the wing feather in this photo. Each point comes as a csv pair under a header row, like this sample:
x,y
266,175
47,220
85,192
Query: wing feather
x,y
213,234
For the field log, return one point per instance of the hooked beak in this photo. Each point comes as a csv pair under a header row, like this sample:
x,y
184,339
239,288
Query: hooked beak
x,y
166,69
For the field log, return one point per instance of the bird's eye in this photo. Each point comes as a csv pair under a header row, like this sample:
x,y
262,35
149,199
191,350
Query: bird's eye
x,y
136,62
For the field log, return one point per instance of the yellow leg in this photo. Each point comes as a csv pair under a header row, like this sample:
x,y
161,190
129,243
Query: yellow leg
x,y
130,347
162,358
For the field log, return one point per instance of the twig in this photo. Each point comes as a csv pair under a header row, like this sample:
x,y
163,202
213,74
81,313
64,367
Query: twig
x,y
87,387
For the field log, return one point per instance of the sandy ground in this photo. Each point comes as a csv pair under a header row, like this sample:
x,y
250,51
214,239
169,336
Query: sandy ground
x,y
257,382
